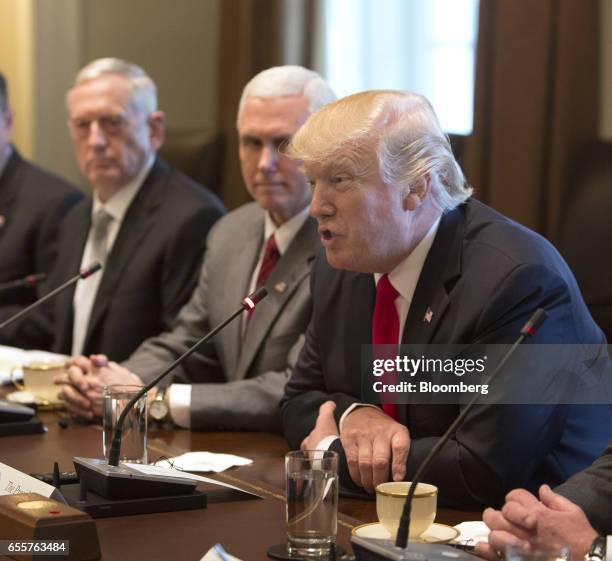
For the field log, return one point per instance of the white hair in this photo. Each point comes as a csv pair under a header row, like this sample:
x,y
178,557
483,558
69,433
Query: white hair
x,y
287,81
142,87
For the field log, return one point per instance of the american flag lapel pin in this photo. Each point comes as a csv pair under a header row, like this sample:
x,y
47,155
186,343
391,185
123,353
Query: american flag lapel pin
x,y
428,315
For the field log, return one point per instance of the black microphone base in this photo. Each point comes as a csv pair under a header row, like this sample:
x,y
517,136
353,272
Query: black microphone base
x,y
99,507
122,482
370,549
16,428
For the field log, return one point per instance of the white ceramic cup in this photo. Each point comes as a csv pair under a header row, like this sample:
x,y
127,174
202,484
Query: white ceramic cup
x,y
390,499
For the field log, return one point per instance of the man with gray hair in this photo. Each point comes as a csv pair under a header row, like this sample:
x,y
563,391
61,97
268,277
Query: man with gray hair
x,y
236,382
32,205
145,222
411,258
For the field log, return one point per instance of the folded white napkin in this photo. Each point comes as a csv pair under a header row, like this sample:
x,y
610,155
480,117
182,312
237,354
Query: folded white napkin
x,y
213,554
204,461
472,533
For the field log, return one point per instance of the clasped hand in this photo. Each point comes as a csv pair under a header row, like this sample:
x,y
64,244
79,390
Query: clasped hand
x,y
84,380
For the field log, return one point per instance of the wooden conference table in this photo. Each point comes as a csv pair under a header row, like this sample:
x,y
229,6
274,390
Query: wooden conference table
x,y
245,527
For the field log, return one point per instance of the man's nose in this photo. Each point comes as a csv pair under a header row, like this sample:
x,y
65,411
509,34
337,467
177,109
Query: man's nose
x,y
321,204
96,137
268,160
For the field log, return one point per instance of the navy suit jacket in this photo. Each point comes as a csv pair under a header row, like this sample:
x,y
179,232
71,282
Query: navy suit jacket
x,y
33,203
150,271
483,277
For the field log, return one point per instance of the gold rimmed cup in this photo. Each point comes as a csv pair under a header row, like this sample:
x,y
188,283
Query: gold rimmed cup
x,y
390,499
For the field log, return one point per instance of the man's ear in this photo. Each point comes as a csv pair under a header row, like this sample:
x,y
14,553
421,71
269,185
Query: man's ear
x,y
417,194
157,129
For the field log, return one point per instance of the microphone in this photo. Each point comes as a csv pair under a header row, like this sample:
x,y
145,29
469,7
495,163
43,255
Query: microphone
x,y
364,550
99,477
26,282
83,274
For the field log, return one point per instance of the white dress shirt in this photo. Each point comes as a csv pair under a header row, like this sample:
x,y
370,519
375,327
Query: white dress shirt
x,y
116,207
179,395
404,279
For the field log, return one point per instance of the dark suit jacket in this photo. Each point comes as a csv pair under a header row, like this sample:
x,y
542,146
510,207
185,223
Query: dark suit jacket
x,y
32,205
149,274
483,277
238,379
591,489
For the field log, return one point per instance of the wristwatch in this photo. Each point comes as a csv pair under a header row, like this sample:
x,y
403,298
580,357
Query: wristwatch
x,y
597,551
160,407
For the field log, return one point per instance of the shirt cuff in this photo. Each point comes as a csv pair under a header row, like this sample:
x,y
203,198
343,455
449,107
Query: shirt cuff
x,y
608,548
179,400
350,410
327,442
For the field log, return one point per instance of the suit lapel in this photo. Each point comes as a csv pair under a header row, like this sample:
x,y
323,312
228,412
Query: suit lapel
x,y
137,221
245,260
291,269
441,269
70,255
8,188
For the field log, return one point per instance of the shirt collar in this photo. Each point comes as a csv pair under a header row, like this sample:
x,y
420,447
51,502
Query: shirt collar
x,y
405,276
284,234
4,158
119,203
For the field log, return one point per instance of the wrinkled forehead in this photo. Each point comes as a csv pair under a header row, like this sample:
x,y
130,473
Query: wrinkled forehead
x,y
109,93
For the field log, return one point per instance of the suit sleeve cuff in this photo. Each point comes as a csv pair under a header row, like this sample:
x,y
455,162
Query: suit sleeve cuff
x,y
326,443
179,400
350,410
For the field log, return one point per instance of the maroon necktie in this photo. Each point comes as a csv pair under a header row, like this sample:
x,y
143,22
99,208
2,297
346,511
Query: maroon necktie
x,y
270,259
385,331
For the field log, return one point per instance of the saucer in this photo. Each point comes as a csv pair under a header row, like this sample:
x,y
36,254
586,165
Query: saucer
x,y
24,397
436,533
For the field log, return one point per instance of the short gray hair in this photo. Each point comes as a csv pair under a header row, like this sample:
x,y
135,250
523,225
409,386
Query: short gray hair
x,y
144,91
404,132
287,81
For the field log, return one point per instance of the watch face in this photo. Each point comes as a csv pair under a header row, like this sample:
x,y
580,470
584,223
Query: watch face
x,y
158,409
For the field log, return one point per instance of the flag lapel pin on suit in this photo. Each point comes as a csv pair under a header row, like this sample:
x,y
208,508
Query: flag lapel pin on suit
x,y
428,315
280,287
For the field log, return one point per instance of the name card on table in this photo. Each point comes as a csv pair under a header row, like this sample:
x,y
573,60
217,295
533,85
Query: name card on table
x,y
14,482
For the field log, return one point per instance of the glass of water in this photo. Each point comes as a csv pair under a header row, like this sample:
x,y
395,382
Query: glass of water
x,y
134,440
312,502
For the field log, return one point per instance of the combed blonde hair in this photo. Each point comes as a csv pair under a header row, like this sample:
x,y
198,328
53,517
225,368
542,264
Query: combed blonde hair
x,y
400,127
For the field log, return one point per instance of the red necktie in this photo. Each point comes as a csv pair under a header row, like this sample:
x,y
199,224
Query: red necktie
x,y
270,259
385,331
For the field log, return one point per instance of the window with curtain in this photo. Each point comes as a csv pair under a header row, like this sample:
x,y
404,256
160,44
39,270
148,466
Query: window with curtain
x,y
427,46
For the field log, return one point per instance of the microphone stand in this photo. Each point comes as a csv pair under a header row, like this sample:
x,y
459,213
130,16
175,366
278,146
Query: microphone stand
x,y
83,274
248,303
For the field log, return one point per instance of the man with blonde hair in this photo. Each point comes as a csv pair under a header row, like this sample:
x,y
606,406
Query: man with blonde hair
x,y
237,380
145,222
412,258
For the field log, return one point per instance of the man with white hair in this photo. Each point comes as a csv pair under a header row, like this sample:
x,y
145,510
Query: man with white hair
x,y
411,258
236,382
145,222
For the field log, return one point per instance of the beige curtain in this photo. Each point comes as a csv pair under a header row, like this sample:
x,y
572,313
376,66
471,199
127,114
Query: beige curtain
x,y
255,34
536,101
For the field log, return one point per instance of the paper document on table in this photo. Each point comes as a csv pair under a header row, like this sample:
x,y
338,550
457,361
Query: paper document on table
x,y
170,472
205,461
217,553
13,357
